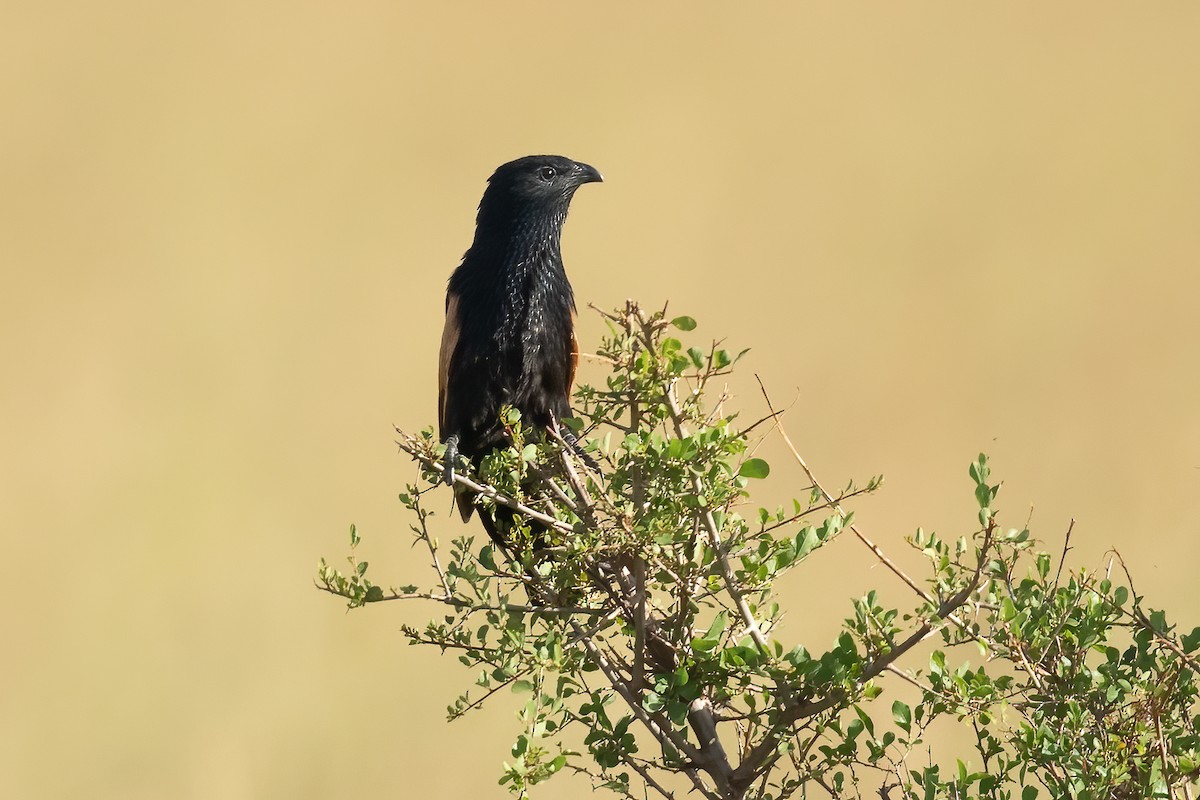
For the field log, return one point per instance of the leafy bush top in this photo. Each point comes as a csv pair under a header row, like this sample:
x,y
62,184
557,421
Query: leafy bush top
x,y
640,629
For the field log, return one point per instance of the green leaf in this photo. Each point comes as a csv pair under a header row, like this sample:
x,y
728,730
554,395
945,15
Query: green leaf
x,y
903,715
1190,641
718,626
979,469
854,729
487,558
712,637
684,323
807,540
521,686
867,722
754,468
1029,793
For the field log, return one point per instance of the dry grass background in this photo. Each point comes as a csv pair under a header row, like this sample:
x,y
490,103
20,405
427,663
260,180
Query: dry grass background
x,y
225,230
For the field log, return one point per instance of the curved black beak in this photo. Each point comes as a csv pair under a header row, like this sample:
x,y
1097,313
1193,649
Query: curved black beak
x,y
585,173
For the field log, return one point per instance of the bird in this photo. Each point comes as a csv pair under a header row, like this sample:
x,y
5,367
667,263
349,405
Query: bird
x,y
509,335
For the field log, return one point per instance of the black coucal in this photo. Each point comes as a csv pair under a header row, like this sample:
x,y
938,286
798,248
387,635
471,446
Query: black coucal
x,y
510,318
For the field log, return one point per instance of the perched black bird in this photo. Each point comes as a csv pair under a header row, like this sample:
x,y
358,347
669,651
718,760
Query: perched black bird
x,y
510,318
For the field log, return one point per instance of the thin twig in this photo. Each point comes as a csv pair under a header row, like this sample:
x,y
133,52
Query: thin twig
x,y
555,489
874,548
1162,753
639,623
835,504
899,673
1066,547
637,767
425,537
568,461
479,702
1142,620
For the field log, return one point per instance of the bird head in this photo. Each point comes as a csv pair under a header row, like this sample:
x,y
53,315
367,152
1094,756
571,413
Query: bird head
x,y
537,183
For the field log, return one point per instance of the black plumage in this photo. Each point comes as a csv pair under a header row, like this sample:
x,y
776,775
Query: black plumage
x,y
509,337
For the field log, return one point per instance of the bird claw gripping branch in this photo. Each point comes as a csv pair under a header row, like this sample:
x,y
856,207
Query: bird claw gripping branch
x,y
450,458
572,441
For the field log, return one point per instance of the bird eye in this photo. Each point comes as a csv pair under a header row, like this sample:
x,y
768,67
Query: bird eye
x,y
547,173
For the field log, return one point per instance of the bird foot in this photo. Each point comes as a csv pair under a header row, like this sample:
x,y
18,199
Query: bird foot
x,y
450,458
572,441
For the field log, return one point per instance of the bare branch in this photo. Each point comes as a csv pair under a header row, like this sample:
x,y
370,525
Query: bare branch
x,y
1066,547
874,548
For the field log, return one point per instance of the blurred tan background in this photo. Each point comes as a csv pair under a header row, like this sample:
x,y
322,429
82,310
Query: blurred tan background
x,y
224,234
